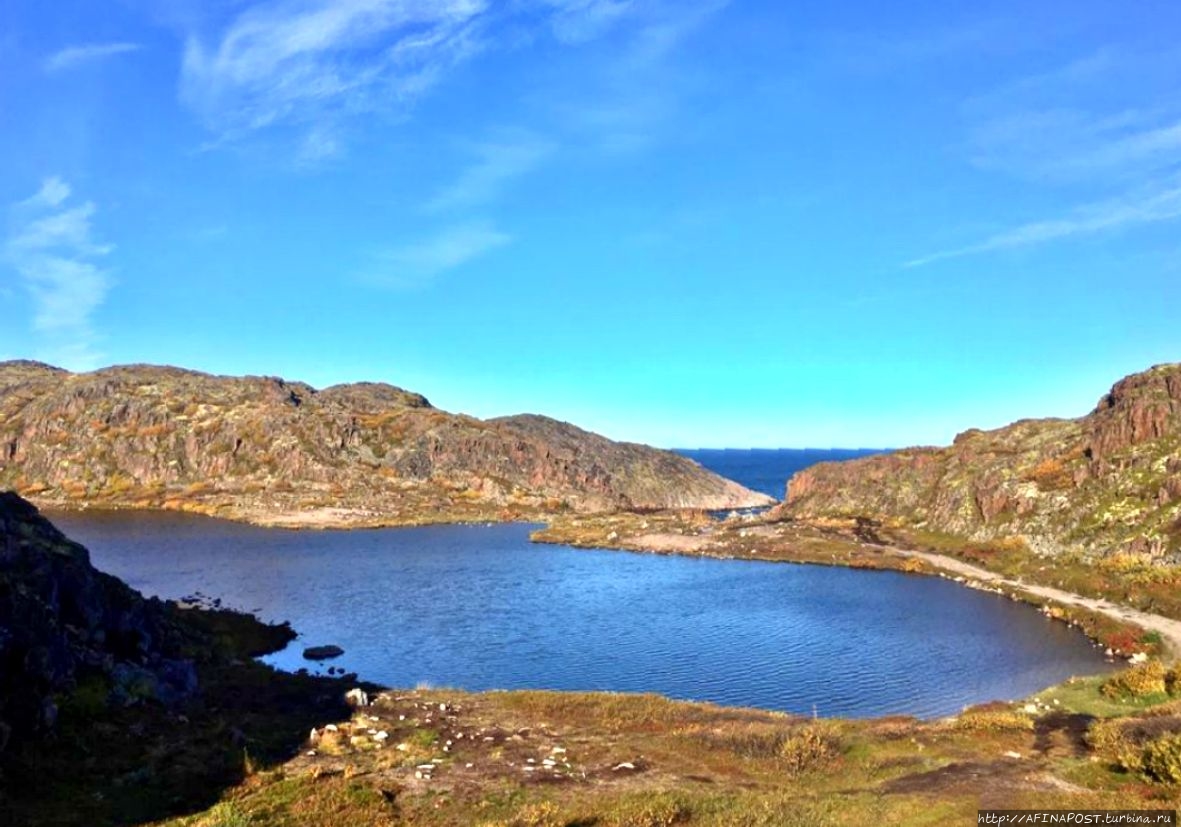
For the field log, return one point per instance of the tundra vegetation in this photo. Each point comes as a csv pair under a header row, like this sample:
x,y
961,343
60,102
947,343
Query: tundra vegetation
x,y
1088,507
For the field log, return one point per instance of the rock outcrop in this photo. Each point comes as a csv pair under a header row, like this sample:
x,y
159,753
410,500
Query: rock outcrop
x,y
1106,482
271,451
62,622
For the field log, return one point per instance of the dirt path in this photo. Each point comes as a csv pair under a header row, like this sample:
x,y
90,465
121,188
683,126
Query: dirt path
x,y
1169,629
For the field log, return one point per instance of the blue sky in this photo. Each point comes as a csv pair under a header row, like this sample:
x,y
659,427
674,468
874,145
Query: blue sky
x,y
692,223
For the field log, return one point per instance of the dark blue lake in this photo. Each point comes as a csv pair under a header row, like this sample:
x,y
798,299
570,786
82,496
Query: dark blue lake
x,y
481,608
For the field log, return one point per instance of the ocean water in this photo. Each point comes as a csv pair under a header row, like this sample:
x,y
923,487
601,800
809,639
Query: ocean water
x,y
480,607
768,469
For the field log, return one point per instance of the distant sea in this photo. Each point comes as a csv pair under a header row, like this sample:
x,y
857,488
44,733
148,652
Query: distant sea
x,y
768,469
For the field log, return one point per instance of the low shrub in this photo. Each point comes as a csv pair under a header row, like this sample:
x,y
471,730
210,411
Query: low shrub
x,y
1109,738
1138,682
1050,475
1173,680
993,720
1161,759
810,748
1122,640
657,811
542,814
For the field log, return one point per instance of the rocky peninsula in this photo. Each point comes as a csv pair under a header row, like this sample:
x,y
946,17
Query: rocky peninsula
x,y
273,452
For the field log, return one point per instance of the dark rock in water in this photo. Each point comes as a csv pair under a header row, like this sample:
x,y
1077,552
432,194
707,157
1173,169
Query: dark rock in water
x,y
322,652
62,622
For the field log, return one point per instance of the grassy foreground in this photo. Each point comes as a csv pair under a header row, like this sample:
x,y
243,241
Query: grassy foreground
x,y
542,759
260,747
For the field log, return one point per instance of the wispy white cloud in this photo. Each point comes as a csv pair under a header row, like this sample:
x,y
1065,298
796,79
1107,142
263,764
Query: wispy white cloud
x,y
625,105
74,56
415,265
1101,133
1106,118
51,247
1145,208
314,65
52,193
578,21
312,61
497,162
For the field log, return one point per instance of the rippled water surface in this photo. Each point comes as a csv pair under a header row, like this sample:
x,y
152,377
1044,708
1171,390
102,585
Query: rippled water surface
x,y
480,607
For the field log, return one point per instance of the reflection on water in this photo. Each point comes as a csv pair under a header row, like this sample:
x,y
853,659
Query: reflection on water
x,y
480,607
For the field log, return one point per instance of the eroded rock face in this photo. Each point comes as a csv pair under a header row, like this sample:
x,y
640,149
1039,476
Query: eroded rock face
x,y
1141,408
248,447
1106,482
61,620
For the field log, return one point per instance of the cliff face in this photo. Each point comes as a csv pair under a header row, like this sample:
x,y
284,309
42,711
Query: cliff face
x,y
268,450
61,620
1105,482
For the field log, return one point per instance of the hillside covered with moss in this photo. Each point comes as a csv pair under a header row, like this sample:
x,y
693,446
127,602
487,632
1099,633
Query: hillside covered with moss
x,y
1105,483
271,451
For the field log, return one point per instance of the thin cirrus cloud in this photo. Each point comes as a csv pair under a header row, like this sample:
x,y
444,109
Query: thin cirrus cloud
x,y
314,64
496,163
299,62
72,57
417,264
578,21
1107,216
1115,164
52,249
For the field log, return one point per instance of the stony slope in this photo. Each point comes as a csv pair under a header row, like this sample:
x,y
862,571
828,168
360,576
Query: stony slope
x,y
61,620
271,451
1107,482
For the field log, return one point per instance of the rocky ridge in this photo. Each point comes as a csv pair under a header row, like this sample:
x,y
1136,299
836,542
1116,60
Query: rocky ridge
x,y
62,622
1105,483
271,451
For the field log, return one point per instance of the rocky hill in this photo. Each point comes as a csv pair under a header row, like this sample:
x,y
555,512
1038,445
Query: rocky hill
x,y
1107,482
276,452
61,621
118,709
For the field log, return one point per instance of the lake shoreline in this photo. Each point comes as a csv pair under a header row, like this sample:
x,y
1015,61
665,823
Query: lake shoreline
x,y
556,531
445,756
697,539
